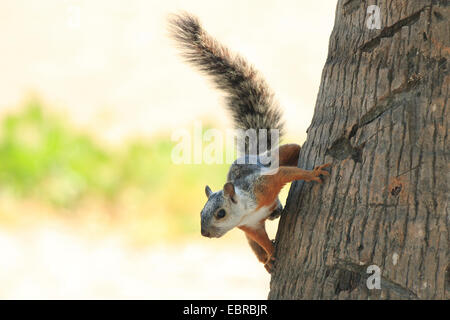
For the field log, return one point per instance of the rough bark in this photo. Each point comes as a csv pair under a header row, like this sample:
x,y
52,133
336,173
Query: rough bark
x,y
381,118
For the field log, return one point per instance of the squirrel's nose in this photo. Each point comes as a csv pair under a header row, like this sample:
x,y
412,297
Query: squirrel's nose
x,y
205,233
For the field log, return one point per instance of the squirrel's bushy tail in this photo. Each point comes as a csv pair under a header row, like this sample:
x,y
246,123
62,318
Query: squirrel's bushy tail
x,y
248,97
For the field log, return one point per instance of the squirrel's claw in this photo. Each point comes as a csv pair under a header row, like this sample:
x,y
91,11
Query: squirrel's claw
x,y
319,171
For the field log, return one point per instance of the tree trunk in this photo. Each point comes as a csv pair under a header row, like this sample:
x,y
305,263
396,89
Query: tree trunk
x,y
381,118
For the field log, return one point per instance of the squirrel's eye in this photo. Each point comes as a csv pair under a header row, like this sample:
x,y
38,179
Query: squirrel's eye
x,y
221,213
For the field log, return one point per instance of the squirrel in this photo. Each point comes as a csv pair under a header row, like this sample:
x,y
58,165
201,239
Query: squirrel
x,y
250,195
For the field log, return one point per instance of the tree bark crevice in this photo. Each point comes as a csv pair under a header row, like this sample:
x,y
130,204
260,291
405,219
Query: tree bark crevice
x,y
390,31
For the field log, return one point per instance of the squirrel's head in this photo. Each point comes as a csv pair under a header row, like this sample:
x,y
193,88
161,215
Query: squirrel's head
x,y
221,212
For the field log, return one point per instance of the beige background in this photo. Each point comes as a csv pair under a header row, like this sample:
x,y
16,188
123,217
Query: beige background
x,y
111,67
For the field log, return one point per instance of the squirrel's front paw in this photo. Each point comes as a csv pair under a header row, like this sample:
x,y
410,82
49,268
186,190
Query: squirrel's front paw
x,y
319,170
269,265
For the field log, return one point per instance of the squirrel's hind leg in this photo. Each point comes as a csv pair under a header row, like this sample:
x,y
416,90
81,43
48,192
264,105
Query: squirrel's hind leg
x,y
268,187
288,174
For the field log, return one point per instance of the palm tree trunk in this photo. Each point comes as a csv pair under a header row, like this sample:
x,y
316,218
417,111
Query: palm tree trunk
x,y
381,118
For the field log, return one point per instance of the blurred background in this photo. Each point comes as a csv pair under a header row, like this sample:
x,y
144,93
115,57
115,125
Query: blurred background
x,y
91,205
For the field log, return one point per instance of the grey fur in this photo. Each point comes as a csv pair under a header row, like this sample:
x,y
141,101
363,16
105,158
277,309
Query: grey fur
x,y
215,202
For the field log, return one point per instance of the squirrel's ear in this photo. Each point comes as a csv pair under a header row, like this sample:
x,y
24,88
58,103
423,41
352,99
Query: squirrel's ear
x,y
208,191
228,190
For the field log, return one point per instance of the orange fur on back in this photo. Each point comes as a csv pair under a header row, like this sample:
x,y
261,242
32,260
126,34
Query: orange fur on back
x,y
288,154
